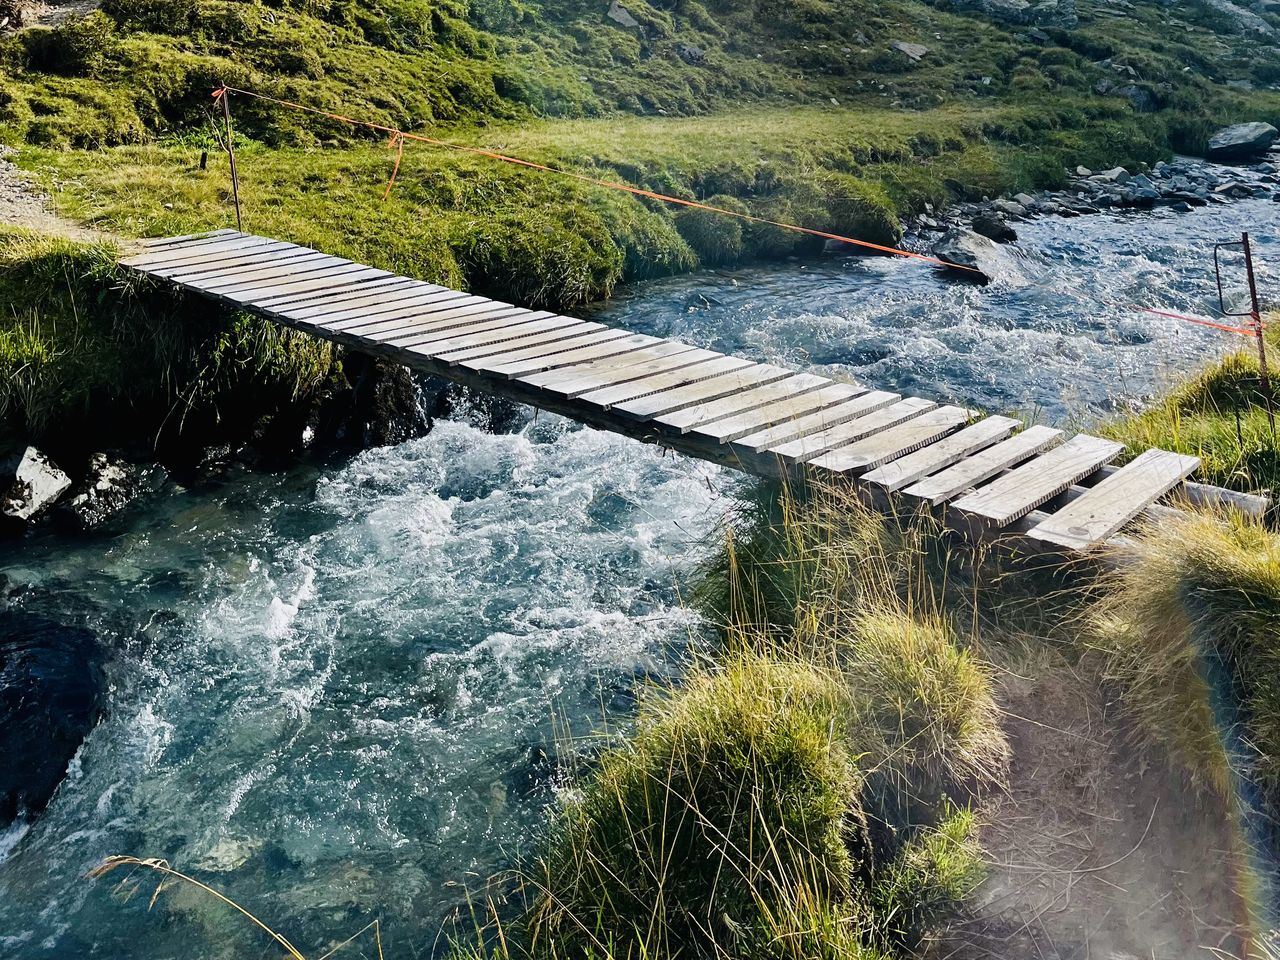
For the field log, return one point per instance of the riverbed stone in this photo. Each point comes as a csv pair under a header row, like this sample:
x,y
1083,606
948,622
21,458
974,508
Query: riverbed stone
x,y
1242,141
36,484
110,485
983,257
50,689
994,228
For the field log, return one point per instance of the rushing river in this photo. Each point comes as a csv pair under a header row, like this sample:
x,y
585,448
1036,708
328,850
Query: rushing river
x,y
333,691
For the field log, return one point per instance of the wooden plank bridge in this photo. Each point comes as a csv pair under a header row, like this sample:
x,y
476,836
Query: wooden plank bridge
x,y
1058,492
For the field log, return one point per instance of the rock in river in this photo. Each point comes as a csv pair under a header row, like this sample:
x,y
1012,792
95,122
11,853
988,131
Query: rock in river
x,y
36,485
983,258
50,677
1244,141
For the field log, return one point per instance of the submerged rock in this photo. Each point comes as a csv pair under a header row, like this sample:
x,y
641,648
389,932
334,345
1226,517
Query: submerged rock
x,y
36,486
1243,141
964,248
50,682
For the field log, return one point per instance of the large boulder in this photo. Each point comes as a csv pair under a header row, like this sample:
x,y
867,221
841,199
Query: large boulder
x,y
36,485
971,255
110,486
1243,141
994,228
50,683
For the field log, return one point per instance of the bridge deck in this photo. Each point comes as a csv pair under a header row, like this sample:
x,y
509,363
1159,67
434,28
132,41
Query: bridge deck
x,y
757,417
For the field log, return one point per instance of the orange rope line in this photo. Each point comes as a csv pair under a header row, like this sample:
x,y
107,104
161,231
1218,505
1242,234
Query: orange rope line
x,y
1250,331
398,143
402,135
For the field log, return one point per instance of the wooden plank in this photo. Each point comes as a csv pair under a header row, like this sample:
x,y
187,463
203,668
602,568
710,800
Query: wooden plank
x,y
185,238
212,263
250,294
606,342
1102,510
725,429
863,403
1024,488
634,389
521,368
228,245
195,241
598,374
488,354
887,445
705,391
213,281
444,324
984,465
938,456
280,306
282,278
393,291
418,308
805,448
736,403
545,328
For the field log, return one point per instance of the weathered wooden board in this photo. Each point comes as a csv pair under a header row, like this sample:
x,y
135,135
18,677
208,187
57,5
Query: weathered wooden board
x,y
351,304
735,403
984,465
253,293
276,305
860,404
604,342
197,267
606,397
813,445
520,332
215,281
702,392
886,445
1024,488
221,245
725,429
444,326
186,238
937,456
613,342
580,378
1102,510
420,308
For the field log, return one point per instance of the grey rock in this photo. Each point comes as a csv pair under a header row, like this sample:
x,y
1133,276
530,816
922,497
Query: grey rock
x,y
983,257
110,486
1181,206
37,484
1243,141
1025,199
1083,172
994,228
913,51
691,54
621,15
1010,208
1114,175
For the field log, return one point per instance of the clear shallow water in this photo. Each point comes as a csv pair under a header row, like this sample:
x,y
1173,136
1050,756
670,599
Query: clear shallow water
x,y
331,689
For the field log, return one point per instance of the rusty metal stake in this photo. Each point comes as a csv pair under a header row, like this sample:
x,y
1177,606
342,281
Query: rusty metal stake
x,y
231,153
1255,313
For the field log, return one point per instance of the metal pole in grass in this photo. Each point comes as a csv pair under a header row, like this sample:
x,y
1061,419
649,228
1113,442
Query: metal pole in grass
x,y
1255,314
224,95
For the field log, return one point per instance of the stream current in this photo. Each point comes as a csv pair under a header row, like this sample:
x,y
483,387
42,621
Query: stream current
x,y
336,691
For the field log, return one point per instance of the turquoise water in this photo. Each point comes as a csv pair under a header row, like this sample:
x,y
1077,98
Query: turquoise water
x,y
336,691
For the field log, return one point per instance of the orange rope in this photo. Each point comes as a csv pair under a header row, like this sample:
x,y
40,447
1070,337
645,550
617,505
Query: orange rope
x,y
402,135
1250,331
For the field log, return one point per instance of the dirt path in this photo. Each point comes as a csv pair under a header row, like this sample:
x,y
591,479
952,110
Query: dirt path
x,y
23,204
1094,854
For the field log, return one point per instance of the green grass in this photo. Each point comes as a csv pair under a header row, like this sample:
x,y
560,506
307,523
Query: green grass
x,y
1199,604
90,358
1218,415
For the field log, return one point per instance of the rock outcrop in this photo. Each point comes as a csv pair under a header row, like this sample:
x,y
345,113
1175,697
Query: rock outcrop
x,y
35,486
1243,141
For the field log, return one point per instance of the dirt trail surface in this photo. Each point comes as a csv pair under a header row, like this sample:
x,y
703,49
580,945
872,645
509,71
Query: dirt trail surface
x,y
23,204
1093,853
